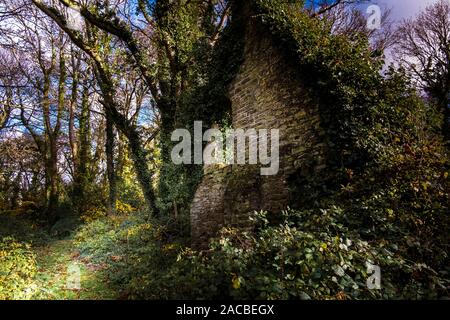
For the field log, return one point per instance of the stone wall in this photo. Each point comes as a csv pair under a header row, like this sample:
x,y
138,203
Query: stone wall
x,y
267,93
207,208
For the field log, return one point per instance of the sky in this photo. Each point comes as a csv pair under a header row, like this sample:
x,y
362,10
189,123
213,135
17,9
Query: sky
x,y
402,9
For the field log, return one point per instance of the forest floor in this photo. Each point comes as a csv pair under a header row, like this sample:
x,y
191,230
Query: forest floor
x,y
61,273
59,266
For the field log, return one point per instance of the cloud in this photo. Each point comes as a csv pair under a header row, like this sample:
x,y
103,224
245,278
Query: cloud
x,y
403,9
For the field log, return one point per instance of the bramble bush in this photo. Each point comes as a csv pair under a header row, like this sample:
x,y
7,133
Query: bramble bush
x,y
312,254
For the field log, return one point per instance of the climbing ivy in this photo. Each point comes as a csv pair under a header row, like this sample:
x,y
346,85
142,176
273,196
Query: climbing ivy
x,y
205,100
342,73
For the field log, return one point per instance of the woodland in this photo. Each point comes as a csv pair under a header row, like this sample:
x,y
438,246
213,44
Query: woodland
x,y
92,207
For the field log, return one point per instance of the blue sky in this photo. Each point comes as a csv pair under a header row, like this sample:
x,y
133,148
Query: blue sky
x,y
404,8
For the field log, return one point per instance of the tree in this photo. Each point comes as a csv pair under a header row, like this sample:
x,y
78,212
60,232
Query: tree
x,y
48,93
424,47
81,146
9,75
40,58
162,51
20,171
348,19
88,43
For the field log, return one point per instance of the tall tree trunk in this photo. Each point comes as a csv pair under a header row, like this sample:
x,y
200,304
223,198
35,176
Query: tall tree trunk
x,y
73,103
52,168
53,135
167,111
111,205
83,154
139,156
138,153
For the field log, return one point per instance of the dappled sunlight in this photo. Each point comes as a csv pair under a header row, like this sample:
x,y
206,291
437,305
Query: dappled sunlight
x,y
52,272
224,150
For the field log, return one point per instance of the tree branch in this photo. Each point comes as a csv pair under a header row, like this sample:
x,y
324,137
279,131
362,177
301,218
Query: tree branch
x,y
118,28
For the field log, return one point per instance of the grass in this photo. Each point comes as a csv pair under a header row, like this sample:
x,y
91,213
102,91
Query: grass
x,y
56,259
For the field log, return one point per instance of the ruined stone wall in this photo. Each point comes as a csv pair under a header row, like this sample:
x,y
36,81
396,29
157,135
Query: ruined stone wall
x,y
207,208
267,93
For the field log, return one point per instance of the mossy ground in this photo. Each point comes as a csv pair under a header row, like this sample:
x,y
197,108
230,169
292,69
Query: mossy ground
x,y
54,258
54,261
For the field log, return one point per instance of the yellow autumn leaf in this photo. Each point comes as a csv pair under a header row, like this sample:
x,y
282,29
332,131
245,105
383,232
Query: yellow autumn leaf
x,y
236,282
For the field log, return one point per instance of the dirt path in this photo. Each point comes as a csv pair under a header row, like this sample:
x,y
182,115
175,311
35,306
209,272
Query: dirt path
x,y
62,275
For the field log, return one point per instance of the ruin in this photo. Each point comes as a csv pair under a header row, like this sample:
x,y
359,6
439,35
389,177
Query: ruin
x,y
267,93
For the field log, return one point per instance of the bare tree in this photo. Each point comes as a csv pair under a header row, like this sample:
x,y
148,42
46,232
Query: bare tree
x,y
88,43
424,48
39,52
148,44
5,92
349,19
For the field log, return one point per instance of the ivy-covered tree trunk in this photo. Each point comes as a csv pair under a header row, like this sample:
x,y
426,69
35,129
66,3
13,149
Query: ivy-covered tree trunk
x,y
167,111
138,153
52,182
53,132
111,205
51,156
72,106
139,156
81,172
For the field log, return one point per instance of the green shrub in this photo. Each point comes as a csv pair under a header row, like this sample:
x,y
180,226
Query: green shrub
x,y
95,239
316,257
313,254
134,249
93,214
17,270
123,208
384,199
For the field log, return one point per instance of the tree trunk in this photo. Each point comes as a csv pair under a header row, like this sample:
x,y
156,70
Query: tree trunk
x,y
138,153
51,162
52,168
72,135
111,205
83,155
144,176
